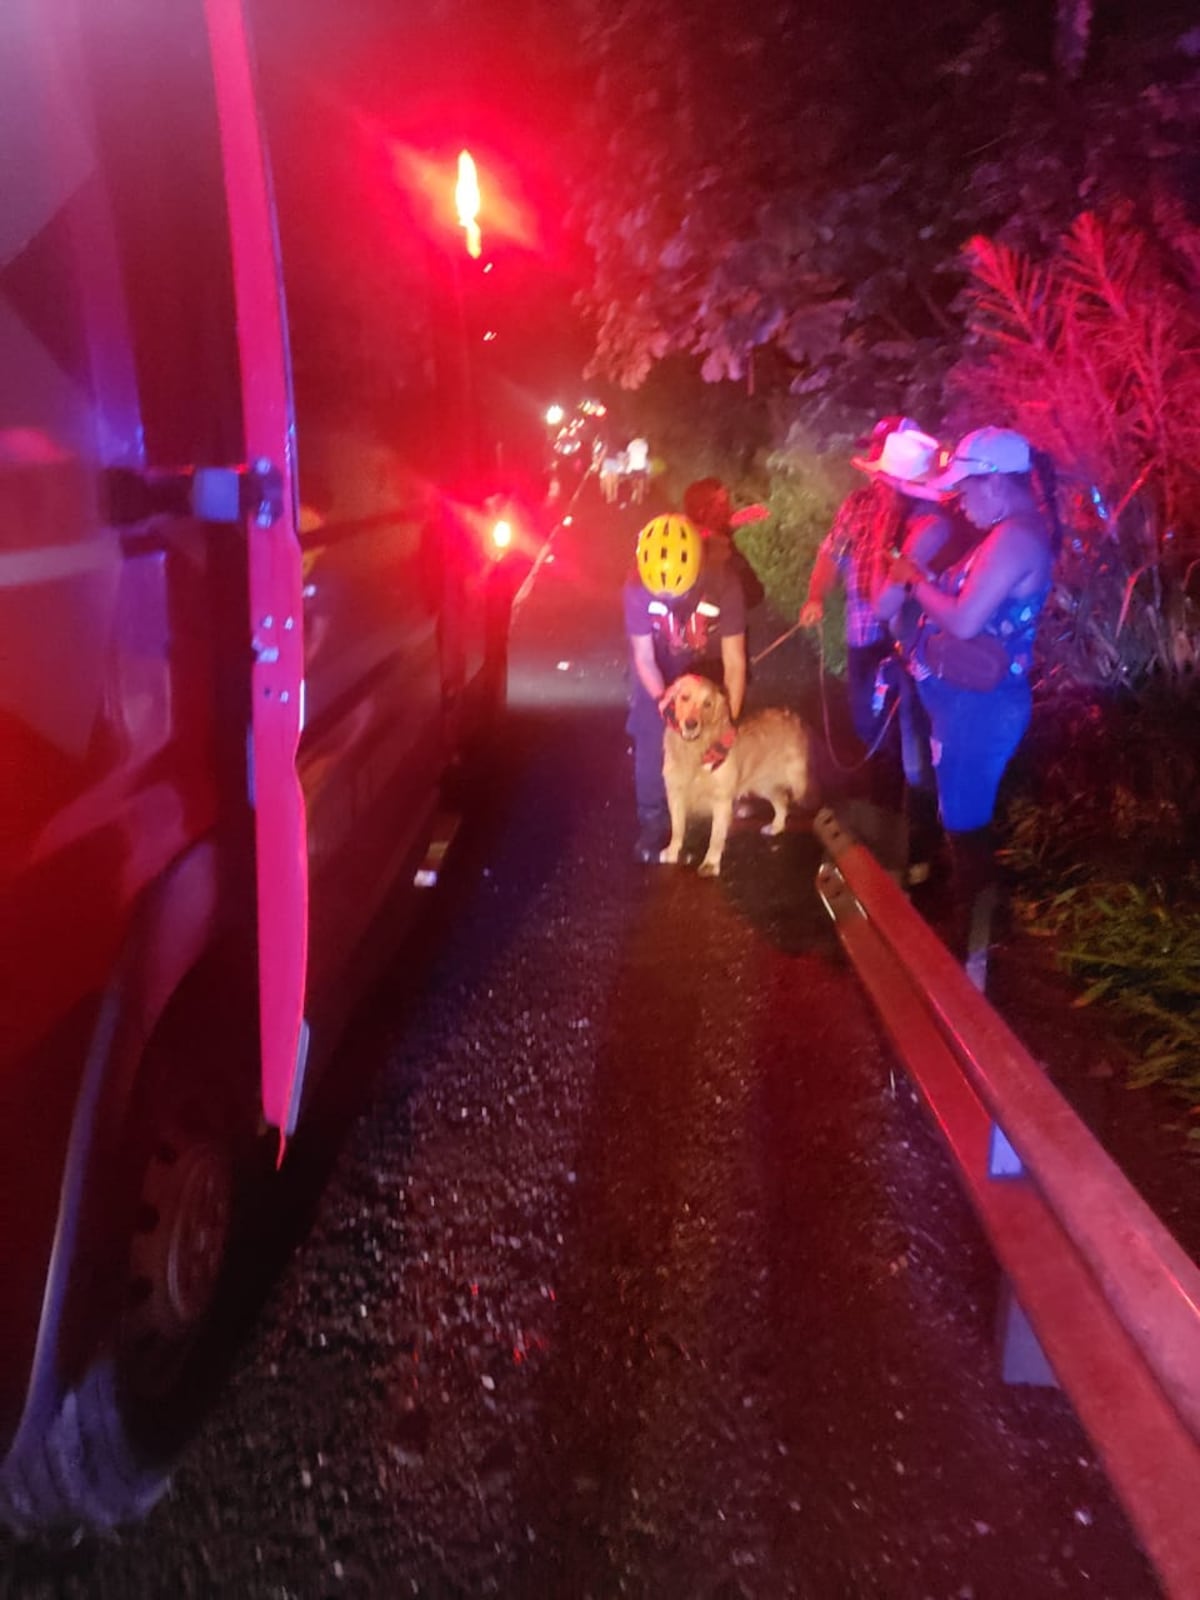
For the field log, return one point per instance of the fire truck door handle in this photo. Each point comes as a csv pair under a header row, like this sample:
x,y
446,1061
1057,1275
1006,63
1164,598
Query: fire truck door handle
x,y
213,494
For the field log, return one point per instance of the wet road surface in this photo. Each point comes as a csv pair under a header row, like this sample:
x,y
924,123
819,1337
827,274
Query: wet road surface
x,y
639,1271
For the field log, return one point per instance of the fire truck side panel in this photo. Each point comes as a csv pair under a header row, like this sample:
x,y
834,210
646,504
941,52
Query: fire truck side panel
x,y
116,685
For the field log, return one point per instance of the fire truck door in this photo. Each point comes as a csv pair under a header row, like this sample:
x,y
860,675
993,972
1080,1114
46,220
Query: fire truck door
x,y
275,580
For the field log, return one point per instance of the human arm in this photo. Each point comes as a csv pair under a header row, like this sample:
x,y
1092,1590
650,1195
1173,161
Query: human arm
x,y
1012,552
925,536
824,576
733,664
749,514
641,650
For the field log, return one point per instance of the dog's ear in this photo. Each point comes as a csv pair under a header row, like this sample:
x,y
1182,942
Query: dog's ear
x,y
666,706
719,714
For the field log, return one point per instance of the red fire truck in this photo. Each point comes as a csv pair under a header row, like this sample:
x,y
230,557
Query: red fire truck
x,y
248,620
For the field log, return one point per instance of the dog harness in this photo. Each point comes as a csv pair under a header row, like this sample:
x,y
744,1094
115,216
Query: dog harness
x,y
718,751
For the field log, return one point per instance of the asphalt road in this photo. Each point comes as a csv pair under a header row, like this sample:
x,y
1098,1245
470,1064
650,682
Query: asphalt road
x,y
638,1270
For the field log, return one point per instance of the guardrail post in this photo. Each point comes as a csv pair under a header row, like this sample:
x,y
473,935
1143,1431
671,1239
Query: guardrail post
x,y
1022,1359
1003,1160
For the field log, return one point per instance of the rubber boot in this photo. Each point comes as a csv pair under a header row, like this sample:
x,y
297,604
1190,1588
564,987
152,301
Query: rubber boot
x,y
974,896
924,833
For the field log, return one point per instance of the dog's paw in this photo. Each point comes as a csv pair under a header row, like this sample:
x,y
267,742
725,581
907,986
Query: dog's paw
x,y
710,869
773,829
670,856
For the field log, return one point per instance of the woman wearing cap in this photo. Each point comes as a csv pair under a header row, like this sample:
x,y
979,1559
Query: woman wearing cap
x,y
979,702
899,459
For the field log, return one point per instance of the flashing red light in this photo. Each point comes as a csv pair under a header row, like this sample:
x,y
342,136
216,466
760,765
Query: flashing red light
x,y
466,201
502,534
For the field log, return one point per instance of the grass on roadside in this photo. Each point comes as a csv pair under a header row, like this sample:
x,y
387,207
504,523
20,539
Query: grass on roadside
x,y
1133,948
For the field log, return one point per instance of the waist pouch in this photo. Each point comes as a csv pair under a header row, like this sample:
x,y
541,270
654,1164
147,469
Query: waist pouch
x,y
981,663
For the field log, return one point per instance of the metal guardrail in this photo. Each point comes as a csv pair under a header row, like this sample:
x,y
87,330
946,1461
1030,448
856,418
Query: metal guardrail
x,y
1112,1296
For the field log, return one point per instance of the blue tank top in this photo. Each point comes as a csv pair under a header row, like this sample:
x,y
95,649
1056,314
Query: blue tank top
x,y
1014,621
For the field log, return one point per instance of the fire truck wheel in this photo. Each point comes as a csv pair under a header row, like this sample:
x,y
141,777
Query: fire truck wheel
x,y
177,1254
86,1474
104,1458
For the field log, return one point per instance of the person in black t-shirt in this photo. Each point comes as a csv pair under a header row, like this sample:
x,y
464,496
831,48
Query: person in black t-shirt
x,y
681,616
707,503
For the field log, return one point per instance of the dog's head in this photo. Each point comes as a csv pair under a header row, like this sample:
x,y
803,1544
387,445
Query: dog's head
x,y
695,707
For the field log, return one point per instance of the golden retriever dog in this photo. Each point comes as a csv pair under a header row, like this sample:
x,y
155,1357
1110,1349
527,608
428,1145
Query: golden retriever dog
x,y
708,764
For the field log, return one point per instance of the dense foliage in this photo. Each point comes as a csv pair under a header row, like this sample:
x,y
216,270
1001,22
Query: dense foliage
x,y
801,183
1094,353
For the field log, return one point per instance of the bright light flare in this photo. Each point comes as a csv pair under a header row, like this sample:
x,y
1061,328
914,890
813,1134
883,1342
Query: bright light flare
x,y
554,415
502,533
466,201
420,174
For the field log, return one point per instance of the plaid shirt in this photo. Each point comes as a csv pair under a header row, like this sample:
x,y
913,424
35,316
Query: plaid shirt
x,y
867,524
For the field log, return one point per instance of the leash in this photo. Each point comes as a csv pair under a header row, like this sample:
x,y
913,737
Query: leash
x,y
762,654
887,721
879,737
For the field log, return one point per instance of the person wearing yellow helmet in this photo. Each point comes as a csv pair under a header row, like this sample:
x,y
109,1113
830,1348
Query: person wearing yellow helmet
x,y
682,614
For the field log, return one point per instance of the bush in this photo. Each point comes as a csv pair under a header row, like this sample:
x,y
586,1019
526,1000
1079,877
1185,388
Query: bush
x,y
1101,840
1094,354
803,494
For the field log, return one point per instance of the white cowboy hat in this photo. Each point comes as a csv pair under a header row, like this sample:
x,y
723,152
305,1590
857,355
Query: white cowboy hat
x,y
907,461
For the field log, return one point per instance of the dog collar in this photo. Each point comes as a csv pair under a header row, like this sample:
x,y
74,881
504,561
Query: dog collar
x,y
716,753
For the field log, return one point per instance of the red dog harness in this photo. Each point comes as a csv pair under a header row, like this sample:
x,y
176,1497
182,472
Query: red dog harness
x,y
718,750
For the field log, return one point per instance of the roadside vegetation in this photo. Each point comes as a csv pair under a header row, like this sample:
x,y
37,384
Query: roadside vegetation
x,y
1099,836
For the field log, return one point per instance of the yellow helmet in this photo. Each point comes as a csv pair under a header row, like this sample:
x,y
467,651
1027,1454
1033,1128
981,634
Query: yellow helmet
x,y
668,554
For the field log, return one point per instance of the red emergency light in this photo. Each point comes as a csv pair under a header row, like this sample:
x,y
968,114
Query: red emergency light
x,y
466,200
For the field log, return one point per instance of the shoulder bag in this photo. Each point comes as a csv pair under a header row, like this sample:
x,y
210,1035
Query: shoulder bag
x,y
980,664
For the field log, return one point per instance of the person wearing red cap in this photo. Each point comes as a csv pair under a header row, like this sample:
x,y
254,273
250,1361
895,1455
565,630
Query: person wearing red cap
x,y
708,503
973,653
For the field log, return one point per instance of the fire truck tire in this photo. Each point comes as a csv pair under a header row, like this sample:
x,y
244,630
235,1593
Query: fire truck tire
x,y
85,1472
105,1456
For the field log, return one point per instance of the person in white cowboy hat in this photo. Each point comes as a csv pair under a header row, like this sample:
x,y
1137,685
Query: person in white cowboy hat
x,y
972,657
899,459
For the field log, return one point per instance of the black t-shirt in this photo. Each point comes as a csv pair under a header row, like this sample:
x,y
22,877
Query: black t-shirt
x,y
687,630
